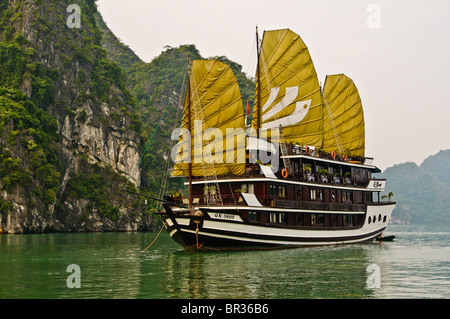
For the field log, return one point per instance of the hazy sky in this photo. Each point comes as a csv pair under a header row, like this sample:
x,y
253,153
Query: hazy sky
x,y
397,53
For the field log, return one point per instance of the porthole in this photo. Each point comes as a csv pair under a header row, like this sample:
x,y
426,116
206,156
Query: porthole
x,y
374,218
384,218
379,218
370,220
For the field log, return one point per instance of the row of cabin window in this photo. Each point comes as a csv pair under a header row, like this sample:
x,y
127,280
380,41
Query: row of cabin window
x,y
279,191
315,194
315,219
359,173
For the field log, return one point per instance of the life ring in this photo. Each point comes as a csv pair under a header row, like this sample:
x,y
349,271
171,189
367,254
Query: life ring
x,y
284,173
344,157
307,150
333,154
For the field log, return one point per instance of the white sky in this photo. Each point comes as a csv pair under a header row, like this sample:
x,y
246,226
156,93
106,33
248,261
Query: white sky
x,y
401,69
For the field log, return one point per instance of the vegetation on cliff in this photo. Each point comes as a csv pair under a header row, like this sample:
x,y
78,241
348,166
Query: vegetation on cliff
x,y
65,115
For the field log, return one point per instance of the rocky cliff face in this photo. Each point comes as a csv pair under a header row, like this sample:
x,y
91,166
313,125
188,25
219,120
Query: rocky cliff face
x,y
65,171
422,192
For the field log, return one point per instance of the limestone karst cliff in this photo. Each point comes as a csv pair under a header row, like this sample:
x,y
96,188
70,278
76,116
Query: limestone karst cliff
x,y
69,132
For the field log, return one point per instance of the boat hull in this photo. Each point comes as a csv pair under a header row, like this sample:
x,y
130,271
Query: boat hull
x,y
227,229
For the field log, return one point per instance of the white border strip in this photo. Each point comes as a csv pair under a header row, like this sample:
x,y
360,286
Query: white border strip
x,y
275,210
285,181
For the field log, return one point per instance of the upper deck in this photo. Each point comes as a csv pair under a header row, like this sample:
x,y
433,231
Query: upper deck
x,y
318,169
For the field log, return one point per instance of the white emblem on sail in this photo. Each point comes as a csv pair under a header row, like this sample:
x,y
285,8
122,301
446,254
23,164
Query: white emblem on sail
x,y
301,108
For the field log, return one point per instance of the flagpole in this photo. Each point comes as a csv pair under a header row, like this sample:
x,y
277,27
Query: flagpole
x,y
258,97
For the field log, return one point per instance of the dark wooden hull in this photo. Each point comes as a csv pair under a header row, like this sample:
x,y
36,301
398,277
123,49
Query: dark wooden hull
x,y
228,229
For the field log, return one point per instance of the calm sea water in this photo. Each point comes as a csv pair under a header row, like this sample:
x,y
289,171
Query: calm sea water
x,y
112,265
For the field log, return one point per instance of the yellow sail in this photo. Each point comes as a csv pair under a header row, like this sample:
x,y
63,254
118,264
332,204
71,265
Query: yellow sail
x,y
217,133
343,117
289,89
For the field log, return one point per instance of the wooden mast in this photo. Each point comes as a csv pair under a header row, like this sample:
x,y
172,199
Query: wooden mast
x,y
189,128
258,96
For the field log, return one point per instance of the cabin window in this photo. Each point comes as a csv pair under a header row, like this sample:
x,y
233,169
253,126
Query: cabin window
x,y
317,220
348,219
319,194
316,194
367,196
277,218
282,191
253,216
334,170
272,190
320,167
346,196
365,173
273,217
331,170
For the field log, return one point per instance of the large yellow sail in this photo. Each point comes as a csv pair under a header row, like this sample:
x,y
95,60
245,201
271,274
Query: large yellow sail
x,y
217,133
289,89
343,117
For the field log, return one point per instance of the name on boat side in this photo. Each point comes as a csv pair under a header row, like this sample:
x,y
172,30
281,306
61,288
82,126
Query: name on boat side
x,y
223,216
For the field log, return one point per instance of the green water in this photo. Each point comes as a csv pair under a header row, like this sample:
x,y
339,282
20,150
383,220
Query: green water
x,y
416,265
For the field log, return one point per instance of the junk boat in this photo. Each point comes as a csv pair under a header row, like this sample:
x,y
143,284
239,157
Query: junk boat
x,y
295,176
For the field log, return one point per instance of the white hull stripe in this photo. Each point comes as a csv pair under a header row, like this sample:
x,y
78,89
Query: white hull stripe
x,y
296,241
273,210
285,235
286,181
243,230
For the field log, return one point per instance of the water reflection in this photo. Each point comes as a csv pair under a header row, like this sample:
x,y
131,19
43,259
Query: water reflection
x,y
34,266
320,272
113,266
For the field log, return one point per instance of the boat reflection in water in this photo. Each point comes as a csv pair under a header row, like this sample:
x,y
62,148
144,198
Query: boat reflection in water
x,y
316,272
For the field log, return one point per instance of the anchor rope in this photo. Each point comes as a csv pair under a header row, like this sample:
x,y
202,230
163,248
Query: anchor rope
x,y
154,240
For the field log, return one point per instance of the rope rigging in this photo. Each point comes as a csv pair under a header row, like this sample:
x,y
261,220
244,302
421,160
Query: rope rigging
x,y
165,177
